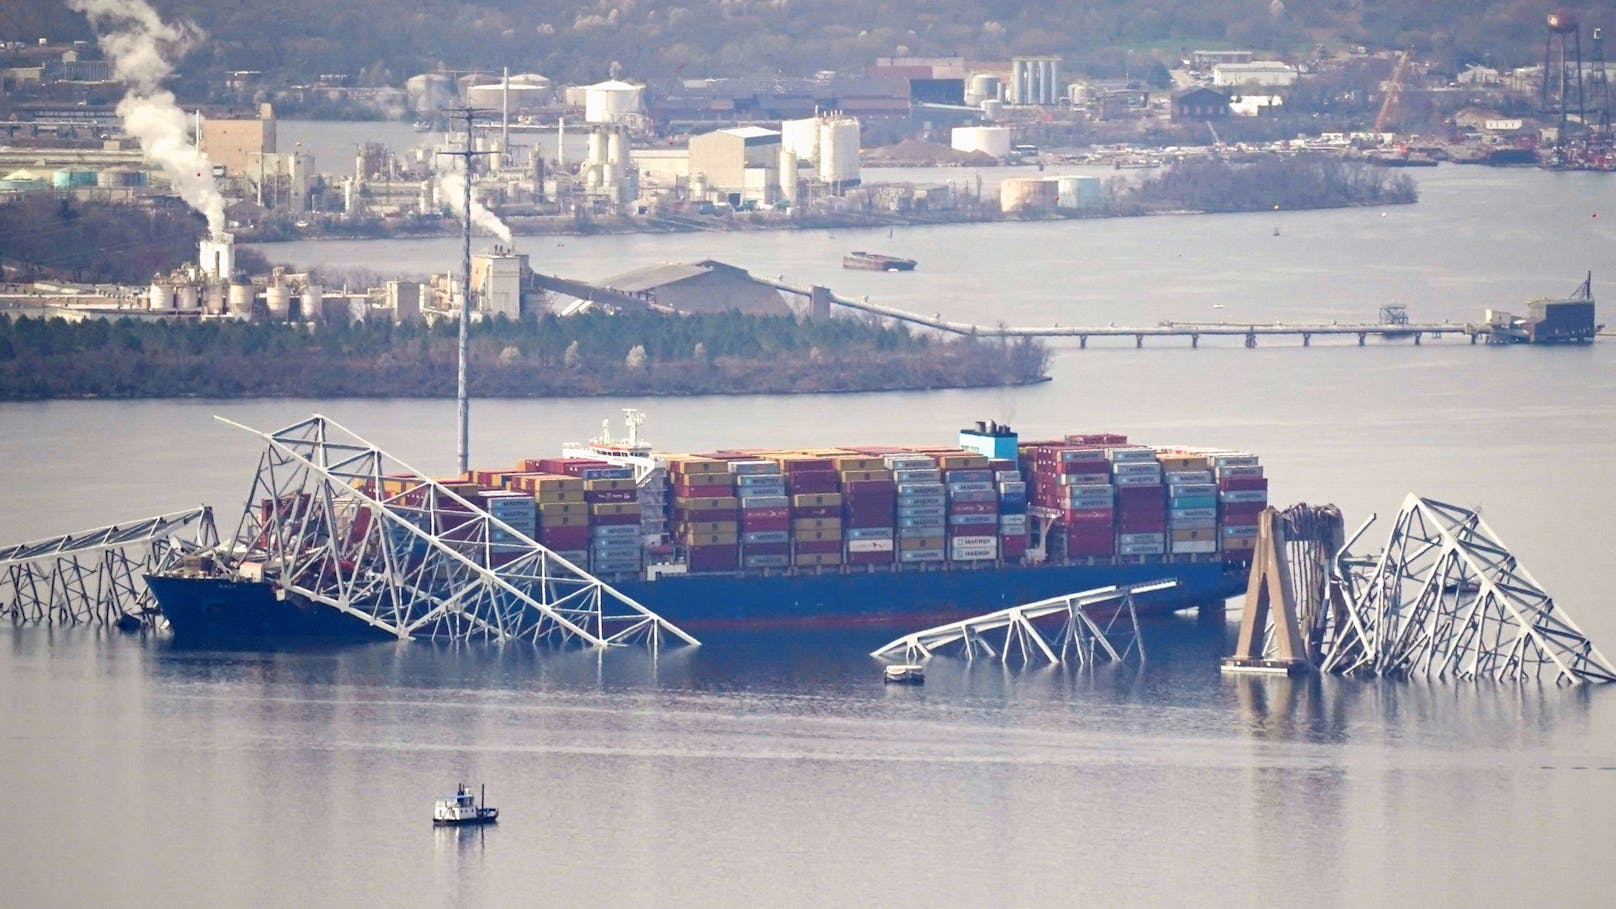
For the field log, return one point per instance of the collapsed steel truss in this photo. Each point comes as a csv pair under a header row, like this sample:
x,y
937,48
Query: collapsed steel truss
x,y
98,576
1098,625
1447,599
340,523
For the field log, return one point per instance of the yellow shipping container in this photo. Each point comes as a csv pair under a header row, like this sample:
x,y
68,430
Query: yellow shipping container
x,y
558,496
798,525
1182,462
1190,535
921,543
816,499
863,476
961,461
816,536
859,463
817,558
557,509
710,539
600,508
608,485
712,503
699,527
556,481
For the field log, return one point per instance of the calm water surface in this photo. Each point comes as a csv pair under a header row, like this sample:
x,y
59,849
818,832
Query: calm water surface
x,y
777,770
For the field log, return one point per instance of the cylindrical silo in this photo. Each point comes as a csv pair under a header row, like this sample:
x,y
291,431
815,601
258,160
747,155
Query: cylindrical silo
x,y
597,147
311,305
278,300
187,297
839,150
162,296
240,301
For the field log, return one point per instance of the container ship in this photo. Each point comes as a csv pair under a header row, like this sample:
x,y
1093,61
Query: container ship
x,y
899,537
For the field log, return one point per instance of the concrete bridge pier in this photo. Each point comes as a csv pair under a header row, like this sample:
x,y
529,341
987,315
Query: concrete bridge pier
x,y
1195,341
1138,340
1417,336
1362,336
1307,339
819,303
1251,339
1083,342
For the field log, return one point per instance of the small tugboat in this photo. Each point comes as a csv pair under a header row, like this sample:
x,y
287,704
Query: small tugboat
x,y
463,809
869,261
904,674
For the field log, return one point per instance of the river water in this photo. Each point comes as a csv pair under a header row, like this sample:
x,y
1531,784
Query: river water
x,y
777,770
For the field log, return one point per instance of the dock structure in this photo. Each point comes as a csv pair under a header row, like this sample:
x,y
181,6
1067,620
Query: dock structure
x,y
820,299
97,576
1097,625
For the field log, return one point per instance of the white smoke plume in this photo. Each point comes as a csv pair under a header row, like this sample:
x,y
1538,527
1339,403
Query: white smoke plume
x,y
452,192
142,50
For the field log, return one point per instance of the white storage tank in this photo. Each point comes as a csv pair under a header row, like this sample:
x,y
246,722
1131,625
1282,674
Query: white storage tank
x,y
429,92
213,297
162,296
801,138
187,297
310,307
278,301
993,110
240,300
982,87
839,151
992,140
611,101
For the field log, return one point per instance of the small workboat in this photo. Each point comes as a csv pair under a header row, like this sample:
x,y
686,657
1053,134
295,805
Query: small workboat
x,y
463,809
904,674
870,261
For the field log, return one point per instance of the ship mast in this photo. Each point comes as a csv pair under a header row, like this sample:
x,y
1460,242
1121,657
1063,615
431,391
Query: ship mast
x,y
463,349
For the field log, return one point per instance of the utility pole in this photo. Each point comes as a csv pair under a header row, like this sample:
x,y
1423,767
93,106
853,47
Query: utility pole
x,y
462,393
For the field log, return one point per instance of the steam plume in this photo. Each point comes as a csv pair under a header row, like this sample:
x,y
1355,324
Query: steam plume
x,y
142,50
452,190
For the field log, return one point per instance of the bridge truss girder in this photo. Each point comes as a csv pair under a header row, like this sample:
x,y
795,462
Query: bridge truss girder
x,y
97,576
1094,626
340,523
1446,599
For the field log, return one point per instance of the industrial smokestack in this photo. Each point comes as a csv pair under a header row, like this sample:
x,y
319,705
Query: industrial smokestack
x,y
142,50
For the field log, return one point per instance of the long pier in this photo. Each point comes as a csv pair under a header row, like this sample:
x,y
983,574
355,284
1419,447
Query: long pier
x,y
821,299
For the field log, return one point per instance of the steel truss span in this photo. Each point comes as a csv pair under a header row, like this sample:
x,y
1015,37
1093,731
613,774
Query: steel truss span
x,y
1094,626
1447,599
98,576
340,523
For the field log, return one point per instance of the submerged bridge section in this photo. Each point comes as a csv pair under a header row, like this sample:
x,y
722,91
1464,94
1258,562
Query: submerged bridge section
x,y
1444,599
1090,627
339,524
97,576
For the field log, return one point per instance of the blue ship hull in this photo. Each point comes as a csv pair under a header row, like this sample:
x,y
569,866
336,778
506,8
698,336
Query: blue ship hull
x,y
900,601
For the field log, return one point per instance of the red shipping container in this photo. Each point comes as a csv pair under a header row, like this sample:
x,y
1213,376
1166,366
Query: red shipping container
x,y
1013,546
610,495
1245,510
703,491
1151,522
1091,548
812,481
713,558
780,511
766,548
715,514
809,465
564,538
1096,465
818,545
884,519
869,558
1242,484
974,508
817,511
750,523
1088,515
1141,497
870,487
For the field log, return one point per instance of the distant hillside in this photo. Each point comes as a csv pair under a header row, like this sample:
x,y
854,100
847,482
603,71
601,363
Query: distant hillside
x,y
389,40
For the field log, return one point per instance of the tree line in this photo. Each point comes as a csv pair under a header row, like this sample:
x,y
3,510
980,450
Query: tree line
x,y
597,353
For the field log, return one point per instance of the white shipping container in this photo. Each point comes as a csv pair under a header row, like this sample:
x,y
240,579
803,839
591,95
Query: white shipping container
x,y
869,545
974,554
1195,547
1189,476
1085,479
1130,539
1240,530
1193,489
1244,495
1192,523
1137,549
1240,472
1131,468
1235,459
1192,513
1140,480
920,555
1131,454
973,540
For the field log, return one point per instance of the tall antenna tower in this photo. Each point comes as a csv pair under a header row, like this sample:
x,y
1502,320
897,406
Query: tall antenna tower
x,y
462,385
1598,84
